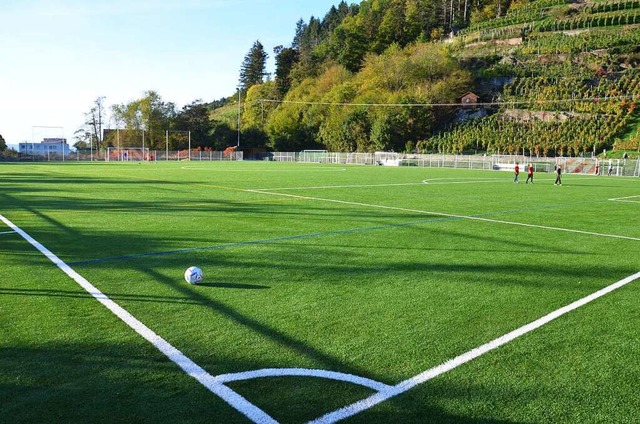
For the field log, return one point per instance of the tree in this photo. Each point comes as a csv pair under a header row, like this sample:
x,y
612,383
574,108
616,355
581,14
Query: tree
x,y
94,120
149,114
3,144
301,27
286,58
194,117
392,27
349,45
253,68
83,139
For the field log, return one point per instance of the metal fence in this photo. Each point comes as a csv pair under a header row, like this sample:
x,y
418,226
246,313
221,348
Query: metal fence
x,y
572,165
619,167
153,155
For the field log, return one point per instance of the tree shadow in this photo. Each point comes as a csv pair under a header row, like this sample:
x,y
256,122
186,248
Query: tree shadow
x,y
236,286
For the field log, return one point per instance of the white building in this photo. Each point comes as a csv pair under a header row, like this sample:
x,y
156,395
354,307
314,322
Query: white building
x,y
47,147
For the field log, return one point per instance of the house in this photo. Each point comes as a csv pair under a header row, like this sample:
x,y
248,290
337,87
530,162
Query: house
x,y
469,99
48,147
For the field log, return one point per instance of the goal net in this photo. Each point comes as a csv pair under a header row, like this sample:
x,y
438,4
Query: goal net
x,y
128,154
312,155
387,158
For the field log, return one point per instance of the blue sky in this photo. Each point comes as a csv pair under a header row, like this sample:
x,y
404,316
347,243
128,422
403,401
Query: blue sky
x,y
58,56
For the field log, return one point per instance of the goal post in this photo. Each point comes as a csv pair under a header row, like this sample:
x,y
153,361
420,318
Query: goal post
x,y
312,155
177,145
128,154
47,143
387,158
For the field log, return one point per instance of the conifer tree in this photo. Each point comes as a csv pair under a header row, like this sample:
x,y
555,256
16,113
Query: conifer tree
x,y
286,58
253,68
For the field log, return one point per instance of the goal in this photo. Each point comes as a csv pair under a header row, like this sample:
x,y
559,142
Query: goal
x,y
387,158
312,155
128,154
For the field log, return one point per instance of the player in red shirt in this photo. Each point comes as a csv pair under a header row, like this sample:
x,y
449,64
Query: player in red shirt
x,y
516,172
529,174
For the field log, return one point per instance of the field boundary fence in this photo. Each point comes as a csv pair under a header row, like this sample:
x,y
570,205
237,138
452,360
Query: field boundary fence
x,y
571,165
131,155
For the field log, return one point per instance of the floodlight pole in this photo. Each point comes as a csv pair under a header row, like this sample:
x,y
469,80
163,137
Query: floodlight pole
x,y
189,146
91,146
166,137
33,155
238,145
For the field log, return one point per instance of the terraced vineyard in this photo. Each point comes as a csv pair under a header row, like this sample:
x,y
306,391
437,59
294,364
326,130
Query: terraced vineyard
x,y
571,81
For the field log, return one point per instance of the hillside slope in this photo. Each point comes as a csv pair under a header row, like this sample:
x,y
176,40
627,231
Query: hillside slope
x,y
553,78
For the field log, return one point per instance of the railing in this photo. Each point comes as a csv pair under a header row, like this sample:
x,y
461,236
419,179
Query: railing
x,y
115,156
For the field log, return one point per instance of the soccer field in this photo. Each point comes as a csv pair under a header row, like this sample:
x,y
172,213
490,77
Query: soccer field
x,y
358,293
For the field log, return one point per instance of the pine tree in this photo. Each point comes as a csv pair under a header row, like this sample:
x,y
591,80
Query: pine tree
x,y
286,58
253,68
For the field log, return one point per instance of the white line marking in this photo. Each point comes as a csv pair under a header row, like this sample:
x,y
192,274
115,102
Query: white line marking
x,y
304,372
226,170
473,218
337,186
7,232
626,199
431,181
451,364
495,180
191,368
384,392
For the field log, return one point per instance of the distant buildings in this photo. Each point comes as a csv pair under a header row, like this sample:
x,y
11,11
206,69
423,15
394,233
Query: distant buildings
x,y
47,147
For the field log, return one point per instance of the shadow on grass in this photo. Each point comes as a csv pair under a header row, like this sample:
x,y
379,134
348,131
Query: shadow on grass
x,y
100,382
233,286
85,295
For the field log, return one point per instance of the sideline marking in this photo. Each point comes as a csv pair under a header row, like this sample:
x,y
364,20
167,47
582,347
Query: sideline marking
x,y
625,199
201,168
451,364
423,182
450,215
187,365
7,232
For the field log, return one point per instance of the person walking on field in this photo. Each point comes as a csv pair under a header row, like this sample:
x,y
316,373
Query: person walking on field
x,y
558,176
516,172
529,174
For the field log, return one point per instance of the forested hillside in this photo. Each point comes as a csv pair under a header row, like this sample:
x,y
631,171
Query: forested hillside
x,y
553,78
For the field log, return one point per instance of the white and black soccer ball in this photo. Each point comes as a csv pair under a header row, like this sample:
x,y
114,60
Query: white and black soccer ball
x,y
193,275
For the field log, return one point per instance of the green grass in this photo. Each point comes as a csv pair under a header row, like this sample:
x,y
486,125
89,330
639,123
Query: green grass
x,y
359,270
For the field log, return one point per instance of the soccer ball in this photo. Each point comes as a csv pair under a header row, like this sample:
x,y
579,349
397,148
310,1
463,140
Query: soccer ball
x,y
193,275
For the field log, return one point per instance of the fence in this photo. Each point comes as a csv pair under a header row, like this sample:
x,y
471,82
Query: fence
x,y
571,165
619,167
118,156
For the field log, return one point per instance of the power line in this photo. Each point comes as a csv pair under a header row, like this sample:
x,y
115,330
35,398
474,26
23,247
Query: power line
x,y
498,103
